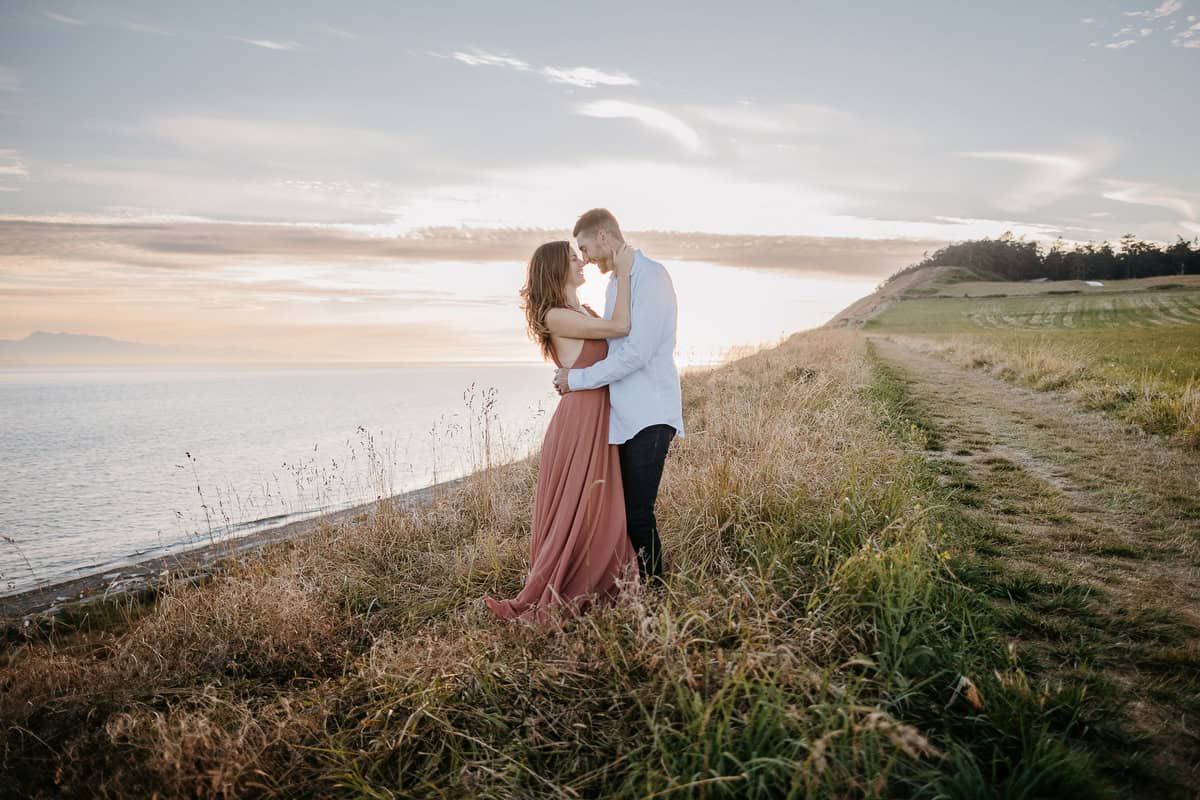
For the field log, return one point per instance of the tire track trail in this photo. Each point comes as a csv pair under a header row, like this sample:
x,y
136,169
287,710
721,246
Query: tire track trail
x,y
1095,567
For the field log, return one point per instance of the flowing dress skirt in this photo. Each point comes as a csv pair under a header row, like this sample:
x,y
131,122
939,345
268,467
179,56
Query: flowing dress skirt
x,y
578,542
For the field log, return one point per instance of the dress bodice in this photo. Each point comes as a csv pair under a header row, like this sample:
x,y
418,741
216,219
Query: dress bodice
x,y
593,350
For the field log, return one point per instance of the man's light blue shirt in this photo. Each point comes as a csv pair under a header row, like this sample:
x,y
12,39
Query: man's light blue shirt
x,y
640,371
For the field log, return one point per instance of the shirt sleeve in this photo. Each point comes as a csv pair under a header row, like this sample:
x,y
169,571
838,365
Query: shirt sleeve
x,y
653,308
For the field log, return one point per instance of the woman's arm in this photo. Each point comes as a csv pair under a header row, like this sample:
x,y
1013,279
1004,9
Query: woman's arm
x,y
570,324
653,328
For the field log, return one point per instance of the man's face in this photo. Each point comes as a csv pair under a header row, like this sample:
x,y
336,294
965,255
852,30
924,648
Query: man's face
x,y
592,246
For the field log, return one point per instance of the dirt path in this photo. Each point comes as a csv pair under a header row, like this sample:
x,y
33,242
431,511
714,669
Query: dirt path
x,y
1095,562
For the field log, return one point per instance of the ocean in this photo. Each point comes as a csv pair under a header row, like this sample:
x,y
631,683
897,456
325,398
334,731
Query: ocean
x,y
101,468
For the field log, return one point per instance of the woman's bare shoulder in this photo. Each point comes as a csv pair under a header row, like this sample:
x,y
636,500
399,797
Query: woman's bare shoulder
x,y
560,319
560,313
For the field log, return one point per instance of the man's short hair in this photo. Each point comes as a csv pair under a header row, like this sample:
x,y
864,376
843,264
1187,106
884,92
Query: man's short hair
x,y
595,220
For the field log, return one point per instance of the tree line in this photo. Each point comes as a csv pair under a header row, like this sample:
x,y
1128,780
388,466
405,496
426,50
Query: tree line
x,y
1011,258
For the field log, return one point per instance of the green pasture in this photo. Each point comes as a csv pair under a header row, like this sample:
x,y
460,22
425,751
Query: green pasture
x,y
1120,334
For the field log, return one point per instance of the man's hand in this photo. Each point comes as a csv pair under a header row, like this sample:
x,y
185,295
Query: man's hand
x,y
560,380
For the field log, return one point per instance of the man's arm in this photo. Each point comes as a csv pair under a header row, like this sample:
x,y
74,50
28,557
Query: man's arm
x,y
649,326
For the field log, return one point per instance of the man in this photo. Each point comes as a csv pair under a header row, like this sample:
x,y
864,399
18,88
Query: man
x,y
643,382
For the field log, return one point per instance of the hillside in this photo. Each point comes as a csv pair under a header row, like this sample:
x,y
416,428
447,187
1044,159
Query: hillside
x,y
912,284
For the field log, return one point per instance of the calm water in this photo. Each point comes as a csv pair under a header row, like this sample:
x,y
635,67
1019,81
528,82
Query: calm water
x,y
102,468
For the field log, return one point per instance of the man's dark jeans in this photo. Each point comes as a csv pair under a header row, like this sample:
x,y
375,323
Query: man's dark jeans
x,y
642,460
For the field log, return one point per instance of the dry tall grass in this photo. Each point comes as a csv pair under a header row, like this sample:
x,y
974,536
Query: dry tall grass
x,y
810,643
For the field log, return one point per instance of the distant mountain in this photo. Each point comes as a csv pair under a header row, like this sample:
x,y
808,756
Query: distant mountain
x,y
41,347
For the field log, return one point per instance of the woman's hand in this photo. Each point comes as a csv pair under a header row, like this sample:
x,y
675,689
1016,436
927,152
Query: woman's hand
x,y
623,260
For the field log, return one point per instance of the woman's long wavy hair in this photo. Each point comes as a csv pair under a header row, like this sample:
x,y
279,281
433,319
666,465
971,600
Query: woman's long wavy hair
x,y
545,288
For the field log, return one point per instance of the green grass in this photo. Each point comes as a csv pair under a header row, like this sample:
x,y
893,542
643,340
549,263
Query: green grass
x,y
1072,641
1145,332
1170,354
1134,354
1030,738
1110,309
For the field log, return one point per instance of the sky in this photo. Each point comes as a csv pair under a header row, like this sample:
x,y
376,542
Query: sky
x,y
222,173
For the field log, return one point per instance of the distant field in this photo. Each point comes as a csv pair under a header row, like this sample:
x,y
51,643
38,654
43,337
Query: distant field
x,y
1153,310
1134,353
1119,334
963,283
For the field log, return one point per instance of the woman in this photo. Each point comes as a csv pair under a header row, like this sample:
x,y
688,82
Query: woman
x,y
578,544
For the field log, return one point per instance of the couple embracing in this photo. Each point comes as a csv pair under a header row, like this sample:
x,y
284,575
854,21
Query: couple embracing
x,y
620,407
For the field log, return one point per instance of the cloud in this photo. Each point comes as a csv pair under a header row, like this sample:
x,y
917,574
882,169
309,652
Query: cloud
x,y
1187,204
1129,35
63,18
1088,20
1164,9
653,118
481,58
583,77
679,197
269,44
588,77
1050,176
157,247
1189,37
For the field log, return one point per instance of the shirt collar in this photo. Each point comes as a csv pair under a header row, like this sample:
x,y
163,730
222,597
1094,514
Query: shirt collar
x,y
637,256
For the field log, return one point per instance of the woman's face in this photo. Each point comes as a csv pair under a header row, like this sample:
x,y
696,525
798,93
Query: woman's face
x,y
575,277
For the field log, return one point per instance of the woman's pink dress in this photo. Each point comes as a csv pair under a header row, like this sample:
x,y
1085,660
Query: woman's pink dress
x,y
578,544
